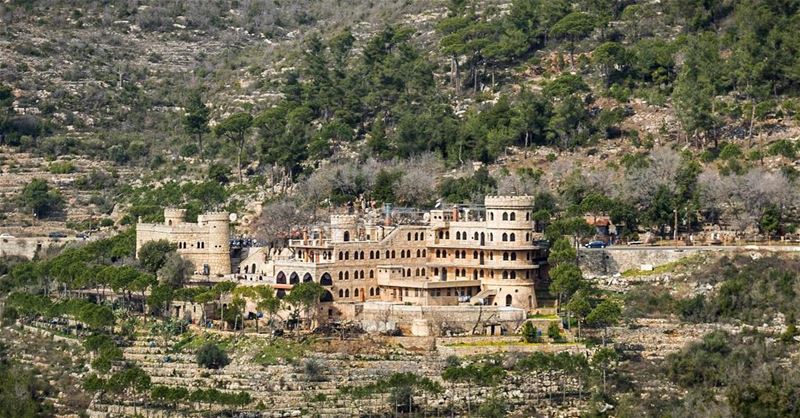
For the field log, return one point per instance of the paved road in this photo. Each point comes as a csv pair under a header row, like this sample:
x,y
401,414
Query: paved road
x,y
787,248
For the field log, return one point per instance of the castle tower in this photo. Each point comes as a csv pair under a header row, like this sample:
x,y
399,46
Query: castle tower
x,y
514,257
344,228
218,248
173,216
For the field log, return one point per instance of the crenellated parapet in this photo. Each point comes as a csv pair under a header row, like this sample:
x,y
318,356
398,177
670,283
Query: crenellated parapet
x,y
509,202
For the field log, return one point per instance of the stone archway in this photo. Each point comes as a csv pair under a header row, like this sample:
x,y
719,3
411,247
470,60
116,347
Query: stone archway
x,y
326,280
307,278
280,278
294,278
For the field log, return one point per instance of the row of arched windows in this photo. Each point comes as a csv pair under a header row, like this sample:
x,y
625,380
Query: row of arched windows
x,y
418,236
407,272
357,274
199,244
376,255
373,291
510,216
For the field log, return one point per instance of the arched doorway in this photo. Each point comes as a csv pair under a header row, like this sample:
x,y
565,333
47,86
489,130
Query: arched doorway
x,y
326,280
307,278
294,278
280,278
509,299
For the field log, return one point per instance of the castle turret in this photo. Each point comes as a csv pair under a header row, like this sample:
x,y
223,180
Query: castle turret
x,y
218,247
344,227
173,216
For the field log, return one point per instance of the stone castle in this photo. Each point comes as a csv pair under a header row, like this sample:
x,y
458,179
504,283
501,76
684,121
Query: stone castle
x,y
486,255
205,243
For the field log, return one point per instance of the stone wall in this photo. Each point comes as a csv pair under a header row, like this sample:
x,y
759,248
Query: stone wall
x,y
28,247
438,320
605,262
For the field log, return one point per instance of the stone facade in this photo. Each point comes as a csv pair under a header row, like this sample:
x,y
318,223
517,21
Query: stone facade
x,y
461,255
205,243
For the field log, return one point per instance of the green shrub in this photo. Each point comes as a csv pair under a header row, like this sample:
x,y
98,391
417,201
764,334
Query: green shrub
x,y
61,167
211,356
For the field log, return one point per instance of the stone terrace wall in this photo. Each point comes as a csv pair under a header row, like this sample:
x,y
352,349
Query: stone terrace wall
x,y
609,262
429,320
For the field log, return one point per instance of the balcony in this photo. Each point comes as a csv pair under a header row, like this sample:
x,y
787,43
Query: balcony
x,y
311,243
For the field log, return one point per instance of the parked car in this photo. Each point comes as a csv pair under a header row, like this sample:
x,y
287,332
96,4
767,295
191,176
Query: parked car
x,y
635,242
81,235
596,244
6,235
57,234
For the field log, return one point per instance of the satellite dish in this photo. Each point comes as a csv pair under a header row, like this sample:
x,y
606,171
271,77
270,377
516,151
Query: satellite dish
x,y
232,217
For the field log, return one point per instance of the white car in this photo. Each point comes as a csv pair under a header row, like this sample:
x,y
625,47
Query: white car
x,y
6,235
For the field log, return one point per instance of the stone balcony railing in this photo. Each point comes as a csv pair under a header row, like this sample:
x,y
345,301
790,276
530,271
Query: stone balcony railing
x,y
316,242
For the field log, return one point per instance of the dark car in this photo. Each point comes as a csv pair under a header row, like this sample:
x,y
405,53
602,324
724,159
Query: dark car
x,y
596,244
57,234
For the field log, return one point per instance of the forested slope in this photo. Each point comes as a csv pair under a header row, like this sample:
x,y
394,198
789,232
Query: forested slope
x,y
537,87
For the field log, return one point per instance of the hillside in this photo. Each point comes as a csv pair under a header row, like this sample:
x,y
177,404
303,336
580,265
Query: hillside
x,y
555,98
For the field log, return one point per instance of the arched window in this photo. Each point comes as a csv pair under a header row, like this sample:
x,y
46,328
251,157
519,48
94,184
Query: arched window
x,y
508,300
377,255
513,256
446,234
527,236
491,236
418,252
476,236
347,235
355,293
416,271
347,255
514,274
438,254
347,275
341,275
505,274
371,291
512,216
436,271
513,237
377,291
372,274
505,236
527,216
409,236
505,216
475,275
387,253
362,255
474,255
362,274
423,271
505,255
491,216
423,252
355,255
371,255
458,234
392,253
341,293
408,273
347,293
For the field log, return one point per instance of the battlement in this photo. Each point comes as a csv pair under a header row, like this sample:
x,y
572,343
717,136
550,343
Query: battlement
x,y
344,220
214,217
508,202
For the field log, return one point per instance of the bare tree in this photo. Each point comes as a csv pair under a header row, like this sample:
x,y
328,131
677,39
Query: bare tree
x,y
277,221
